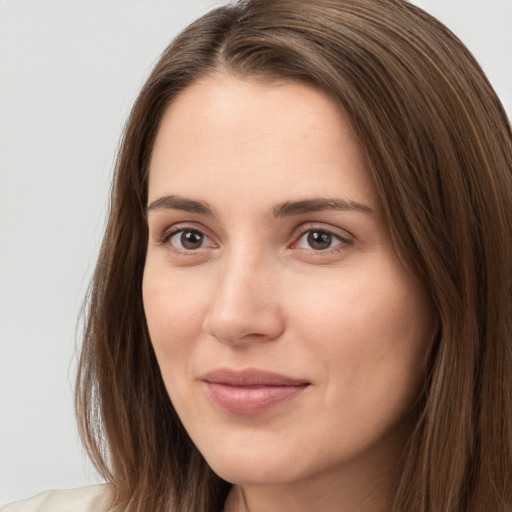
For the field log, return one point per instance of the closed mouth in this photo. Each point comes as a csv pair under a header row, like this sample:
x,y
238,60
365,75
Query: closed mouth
x,y
250,391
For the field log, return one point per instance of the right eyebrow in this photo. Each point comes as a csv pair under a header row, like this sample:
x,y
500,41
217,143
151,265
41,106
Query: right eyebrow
x,y
180,203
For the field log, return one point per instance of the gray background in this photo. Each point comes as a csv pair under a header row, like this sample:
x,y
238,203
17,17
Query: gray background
x,y
69,71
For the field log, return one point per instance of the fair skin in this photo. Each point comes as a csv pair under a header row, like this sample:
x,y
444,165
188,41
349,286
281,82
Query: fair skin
x,y
268,252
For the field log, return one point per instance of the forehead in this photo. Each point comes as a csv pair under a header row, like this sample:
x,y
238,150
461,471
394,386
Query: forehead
x,y
223,132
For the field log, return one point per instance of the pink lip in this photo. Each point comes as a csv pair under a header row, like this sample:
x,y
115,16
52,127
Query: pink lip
x,y
249,392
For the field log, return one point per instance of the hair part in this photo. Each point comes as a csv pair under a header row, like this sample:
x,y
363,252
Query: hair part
x,y
439,146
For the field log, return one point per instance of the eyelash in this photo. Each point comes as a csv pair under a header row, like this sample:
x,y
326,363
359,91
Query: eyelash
x,y
342,245
168,235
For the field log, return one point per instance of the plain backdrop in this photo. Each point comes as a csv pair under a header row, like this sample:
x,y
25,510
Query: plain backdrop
x,y
69,72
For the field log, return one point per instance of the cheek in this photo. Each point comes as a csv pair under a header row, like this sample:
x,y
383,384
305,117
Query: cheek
x,y
372,336
374,326
173,314
174,317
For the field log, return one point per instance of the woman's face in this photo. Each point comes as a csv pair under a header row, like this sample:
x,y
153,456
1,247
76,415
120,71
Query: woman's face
x,y
291,339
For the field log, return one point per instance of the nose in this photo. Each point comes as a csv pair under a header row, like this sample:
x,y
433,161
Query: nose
x,y
244,307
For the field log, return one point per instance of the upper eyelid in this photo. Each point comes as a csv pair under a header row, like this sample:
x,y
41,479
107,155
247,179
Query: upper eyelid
x,y
319,226
183,226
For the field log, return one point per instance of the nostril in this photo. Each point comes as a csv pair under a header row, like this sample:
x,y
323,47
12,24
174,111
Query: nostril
x,y
244,325
244,306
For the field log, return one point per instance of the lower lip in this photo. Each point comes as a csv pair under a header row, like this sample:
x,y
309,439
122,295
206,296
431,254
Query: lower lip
x,y
250,400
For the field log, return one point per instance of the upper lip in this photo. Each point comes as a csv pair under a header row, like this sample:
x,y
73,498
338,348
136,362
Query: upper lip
x,y
250,377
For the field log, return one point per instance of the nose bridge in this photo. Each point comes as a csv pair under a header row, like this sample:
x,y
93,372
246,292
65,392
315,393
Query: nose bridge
x,y
238,270
244,304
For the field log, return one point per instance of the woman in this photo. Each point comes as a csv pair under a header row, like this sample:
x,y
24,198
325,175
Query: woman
x,y
303,296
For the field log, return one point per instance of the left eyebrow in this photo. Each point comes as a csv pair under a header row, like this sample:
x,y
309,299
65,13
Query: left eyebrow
x,y
315,205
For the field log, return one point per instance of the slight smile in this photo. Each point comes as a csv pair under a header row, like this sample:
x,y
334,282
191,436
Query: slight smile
x,y
251,391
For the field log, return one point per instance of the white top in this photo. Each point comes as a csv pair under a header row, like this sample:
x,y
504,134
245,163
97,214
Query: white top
x,y
93,498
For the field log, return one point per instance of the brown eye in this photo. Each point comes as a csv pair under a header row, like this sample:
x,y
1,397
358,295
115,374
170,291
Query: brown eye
x,y
319,240
188,239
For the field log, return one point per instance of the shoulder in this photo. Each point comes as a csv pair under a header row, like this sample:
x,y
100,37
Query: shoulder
x,y
93,498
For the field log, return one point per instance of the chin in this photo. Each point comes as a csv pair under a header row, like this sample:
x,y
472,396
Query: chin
x,y
247,473
259,465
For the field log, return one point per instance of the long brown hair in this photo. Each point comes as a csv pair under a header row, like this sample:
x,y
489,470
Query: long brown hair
x,y
440,149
